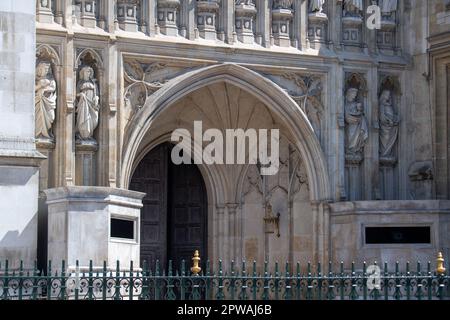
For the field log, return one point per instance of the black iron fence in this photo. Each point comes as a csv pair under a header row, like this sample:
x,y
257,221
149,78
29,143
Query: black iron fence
x,y
243,282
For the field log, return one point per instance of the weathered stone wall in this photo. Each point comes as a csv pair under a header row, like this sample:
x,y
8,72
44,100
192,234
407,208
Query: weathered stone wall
x,y
366,107
18,156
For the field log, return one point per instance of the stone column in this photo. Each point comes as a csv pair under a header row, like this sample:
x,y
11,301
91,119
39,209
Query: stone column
x,y
233,231
19,160
220,214
263,35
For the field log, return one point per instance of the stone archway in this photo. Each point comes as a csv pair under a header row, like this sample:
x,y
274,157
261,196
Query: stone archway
x,y
204,95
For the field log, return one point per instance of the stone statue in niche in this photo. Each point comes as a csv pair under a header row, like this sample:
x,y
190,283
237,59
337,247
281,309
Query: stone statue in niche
x,y
245,2
357,130
87,104
353,8
316,6
282,4
45,100
389,122
388,8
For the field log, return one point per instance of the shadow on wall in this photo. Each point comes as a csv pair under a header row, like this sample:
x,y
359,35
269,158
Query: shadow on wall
x,y
20,176
16,245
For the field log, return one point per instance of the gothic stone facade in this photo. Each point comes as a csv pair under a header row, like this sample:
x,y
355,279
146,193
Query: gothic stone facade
x,y
363,116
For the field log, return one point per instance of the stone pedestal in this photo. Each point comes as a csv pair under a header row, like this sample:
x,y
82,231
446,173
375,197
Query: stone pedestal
x,y
317,23
126,15
351,30
353,177
44,12
281,24
85,162
87,13
79,226
389,182
167,17
206,18
245,19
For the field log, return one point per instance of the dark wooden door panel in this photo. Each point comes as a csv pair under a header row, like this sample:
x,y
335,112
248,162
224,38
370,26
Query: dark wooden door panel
x,y
173,218
151,177
188,210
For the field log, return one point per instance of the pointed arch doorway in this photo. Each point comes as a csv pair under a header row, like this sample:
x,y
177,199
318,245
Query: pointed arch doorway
x,y
174,215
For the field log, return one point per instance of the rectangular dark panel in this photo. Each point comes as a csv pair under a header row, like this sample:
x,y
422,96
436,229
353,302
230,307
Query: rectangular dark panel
x,y
123,229
398,235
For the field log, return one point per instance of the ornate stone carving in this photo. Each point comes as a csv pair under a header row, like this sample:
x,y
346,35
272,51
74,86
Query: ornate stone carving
x,y
140,82
310,98
386,35
253,181
357,130
87,106
45,101
87,12
127,14
389,123
44,11
282,14
245,18
317,21
207,11
168,16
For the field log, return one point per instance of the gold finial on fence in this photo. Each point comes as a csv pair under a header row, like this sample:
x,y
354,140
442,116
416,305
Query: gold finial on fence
x,y
195,260
440,269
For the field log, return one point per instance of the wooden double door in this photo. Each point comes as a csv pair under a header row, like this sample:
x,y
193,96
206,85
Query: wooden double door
x,y
174,216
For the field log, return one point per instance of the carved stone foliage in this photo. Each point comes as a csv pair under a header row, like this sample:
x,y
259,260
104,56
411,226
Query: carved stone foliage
x,y
306,90
46,94
309,99
356,127
141,81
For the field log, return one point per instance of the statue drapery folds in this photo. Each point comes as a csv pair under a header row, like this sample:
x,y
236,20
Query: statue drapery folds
x,y
45,100
87,107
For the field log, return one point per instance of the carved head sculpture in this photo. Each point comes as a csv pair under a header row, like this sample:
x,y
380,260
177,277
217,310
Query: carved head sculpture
x,y
86,73
43,69
385,97
351,94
